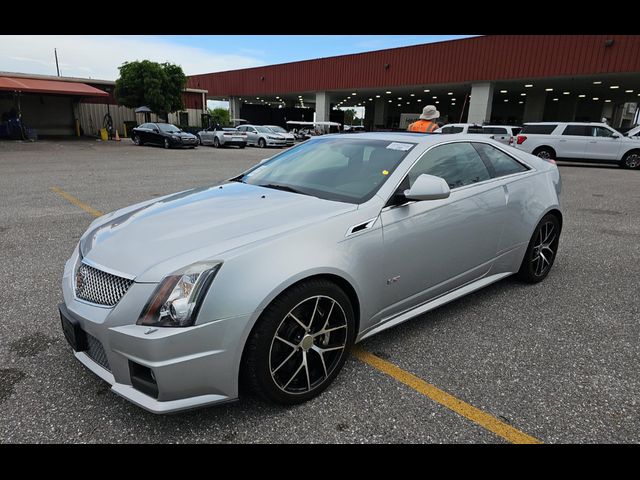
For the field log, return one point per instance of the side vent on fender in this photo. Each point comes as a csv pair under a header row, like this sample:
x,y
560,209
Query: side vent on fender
x,y
361,226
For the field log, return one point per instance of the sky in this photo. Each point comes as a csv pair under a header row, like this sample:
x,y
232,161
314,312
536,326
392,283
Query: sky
x,y
99,57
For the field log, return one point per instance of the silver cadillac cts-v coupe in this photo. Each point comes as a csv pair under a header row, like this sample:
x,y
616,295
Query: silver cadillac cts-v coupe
x,y
266,280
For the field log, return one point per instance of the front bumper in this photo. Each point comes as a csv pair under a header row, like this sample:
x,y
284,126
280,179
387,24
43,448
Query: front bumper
x,y
191,367
276,143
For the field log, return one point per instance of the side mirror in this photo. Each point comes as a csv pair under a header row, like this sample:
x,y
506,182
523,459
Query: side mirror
x,y
156,130
615,136
428,187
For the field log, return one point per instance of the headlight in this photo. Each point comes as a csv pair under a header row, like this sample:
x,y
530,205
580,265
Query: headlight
x,y
175,137
177,299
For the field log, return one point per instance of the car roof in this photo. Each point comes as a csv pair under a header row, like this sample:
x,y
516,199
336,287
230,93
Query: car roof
x,y
568,123
412,137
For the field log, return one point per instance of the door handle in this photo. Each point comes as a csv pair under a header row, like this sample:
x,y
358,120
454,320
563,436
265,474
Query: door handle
x,y
562,141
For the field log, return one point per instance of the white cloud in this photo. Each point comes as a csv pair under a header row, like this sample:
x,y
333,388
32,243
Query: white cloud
x,y
99,57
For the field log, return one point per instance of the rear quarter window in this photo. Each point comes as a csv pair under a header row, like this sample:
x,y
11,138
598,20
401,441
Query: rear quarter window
x,y
538,129
502,163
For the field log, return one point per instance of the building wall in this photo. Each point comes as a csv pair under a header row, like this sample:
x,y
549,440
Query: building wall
x,y
91,116
492,57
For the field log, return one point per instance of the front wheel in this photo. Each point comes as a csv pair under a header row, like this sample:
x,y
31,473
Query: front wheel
x,y
262,143
299,343
167,144
631,160
541,251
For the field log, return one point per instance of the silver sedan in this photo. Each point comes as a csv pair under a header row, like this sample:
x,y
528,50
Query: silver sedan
x,y
271,276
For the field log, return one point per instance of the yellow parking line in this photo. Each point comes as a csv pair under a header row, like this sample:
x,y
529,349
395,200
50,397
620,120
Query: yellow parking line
x,y
443,398
75,201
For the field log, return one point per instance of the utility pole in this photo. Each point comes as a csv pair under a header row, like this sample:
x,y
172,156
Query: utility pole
x,y
55,52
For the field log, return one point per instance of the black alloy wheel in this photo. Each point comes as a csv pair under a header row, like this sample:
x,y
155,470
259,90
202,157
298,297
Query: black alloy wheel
x,y
542,250
300,343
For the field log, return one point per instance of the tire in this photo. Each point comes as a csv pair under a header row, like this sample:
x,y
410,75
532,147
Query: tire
x,y
631,160
137,140
262,143
241,146
216,142
167,144
545,153
199,140
276,368
537,261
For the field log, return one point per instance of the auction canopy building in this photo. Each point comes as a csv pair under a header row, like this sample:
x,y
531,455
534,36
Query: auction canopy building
x,y
508,79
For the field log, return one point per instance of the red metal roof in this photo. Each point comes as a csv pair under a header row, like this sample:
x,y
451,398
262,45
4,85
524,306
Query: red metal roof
x,y
487,58
30,85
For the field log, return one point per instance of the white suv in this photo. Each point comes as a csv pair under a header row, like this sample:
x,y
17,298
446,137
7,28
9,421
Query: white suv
x,y
579,141
501,133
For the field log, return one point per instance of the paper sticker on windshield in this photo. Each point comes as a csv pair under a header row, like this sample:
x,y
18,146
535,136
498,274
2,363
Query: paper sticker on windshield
x,y
400,146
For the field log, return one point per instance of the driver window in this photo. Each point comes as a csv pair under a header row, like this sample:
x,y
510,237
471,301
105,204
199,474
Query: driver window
x,y
603,132
458,163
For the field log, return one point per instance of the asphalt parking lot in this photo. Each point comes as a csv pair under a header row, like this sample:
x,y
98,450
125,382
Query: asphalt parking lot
x,y
557,361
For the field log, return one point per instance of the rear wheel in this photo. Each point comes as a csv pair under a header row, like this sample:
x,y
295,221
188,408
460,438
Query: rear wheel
x,y
137,140
216,142
547,153
541,252
199,140
300,343
631,160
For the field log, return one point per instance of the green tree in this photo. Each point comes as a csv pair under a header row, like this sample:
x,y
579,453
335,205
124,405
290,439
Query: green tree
x,y
221,116
349,115
158,86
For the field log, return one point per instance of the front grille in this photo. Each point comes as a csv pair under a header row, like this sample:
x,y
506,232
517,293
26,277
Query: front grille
x,y
95,350
100,287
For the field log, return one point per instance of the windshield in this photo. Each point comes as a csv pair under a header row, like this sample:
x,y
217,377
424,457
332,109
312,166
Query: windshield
x,y
277,129
263,130
167,127
344,170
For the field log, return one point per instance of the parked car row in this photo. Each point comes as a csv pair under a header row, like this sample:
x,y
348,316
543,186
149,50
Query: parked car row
x,y
170,136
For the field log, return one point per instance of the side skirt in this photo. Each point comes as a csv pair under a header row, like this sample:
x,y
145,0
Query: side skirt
x,y
430,305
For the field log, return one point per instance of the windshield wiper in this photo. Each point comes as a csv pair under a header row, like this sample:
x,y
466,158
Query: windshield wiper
x,y
285,188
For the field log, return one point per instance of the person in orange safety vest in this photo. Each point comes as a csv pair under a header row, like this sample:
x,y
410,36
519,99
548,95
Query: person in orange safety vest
x,y
426,123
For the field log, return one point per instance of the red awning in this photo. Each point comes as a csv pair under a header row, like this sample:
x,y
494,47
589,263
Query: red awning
x,y
32,85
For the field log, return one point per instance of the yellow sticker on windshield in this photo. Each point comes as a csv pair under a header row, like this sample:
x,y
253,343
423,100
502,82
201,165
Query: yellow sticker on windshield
x,y
385,172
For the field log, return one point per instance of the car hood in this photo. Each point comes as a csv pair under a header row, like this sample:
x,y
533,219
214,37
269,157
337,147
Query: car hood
x,y
160,237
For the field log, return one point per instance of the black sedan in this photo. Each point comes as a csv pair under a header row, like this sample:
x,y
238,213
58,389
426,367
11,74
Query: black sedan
x,y
164,134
